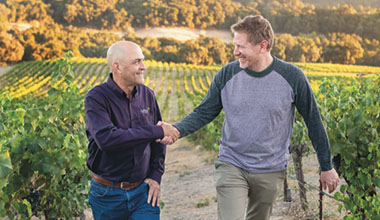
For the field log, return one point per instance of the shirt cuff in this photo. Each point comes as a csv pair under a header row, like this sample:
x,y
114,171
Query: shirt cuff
x,y
155,175
326,166
176,126
158,132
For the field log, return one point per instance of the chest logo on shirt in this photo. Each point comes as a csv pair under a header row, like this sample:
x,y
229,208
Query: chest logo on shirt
x,y
145,111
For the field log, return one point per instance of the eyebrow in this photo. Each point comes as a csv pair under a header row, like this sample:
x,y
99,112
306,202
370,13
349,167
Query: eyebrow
x,y
139,59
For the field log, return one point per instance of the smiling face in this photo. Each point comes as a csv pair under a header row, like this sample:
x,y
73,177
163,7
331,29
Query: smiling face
x,y
132,67
127,63
248,53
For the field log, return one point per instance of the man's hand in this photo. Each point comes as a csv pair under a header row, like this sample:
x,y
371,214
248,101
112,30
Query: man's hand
x,y
166,140
171,134
154,192
329,179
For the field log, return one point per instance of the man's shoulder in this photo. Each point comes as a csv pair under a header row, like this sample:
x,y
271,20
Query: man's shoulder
x,y
98,90
146,90
282,65
232,66
228,70
289,71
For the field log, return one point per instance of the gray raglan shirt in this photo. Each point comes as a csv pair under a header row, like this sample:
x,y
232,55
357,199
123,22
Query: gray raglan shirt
x,y
259,115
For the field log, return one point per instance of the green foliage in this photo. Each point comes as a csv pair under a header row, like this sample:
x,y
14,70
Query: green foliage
x,y
352,114
42,151
97,44
209,135
206,202
299,136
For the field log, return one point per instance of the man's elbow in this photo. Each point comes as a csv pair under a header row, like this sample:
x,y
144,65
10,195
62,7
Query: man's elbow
x,y
104,142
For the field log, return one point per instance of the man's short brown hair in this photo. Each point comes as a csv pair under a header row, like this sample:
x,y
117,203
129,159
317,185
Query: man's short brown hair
x,y
258,29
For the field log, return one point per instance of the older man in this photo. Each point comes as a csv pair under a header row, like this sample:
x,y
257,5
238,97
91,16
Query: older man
x,y
125,161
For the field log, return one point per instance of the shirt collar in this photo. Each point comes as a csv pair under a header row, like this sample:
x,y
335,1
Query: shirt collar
x,y
262,73
116,89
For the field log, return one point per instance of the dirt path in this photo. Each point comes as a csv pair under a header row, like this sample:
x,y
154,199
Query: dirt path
x,y
3,70
188,191
188,182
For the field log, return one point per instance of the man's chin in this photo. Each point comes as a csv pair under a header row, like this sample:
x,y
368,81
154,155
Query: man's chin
x,y
242,65
141,82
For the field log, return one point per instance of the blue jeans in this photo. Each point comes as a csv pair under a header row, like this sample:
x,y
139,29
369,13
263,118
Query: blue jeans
x,y
113,203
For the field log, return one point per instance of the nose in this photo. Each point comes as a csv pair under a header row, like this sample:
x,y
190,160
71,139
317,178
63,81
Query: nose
x,y
142,66
236,51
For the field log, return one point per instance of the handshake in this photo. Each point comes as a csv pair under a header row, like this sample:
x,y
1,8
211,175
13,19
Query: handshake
x,y
171,133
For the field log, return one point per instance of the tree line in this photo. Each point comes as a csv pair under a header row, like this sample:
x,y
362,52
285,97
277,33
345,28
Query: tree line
x,y
356,3
50,41
56,29
286,16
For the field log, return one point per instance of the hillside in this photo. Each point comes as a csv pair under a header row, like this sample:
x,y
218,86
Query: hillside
x,y
304,33
356,3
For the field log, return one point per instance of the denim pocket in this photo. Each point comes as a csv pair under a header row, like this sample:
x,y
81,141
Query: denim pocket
x,y
144,187
98,190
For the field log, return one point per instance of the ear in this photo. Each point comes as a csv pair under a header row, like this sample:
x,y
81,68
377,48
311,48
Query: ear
x,y
115,66
264,45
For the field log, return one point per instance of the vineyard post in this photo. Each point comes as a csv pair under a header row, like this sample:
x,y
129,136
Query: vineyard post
x,y
297,153
320,197
287,191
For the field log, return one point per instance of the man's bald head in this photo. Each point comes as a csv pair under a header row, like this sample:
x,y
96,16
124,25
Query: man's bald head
x,y
122,50
126,61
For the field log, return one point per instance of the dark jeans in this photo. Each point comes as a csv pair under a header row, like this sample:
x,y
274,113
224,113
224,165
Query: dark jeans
x,y
114,203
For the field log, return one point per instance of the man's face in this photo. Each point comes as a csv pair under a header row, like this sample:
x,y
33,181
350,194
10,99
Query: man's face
x,y
132,68
247,53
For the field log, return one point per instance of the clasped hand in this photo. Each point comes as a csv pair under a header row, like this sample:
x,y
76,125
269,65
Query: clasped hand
x,y
171,134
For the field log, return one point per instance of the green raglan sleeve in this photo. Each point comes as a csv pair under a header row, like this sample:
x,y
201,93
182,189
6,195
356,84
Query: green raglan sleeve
x,y
308,108
206,111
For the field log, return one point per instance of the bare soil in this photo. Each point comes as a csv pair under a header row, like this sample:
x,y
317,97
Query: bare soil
x,y
3,70
188,190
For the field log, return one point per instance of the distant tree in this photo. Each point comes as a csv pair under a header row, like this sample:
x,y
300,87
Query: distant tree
x,y
356,3
371,53
45,41
217,50
343,48
192,52
28,10
169,53
48,50
114,19
11,50
186,15
4,12
151,45
97,44
91,13
167,50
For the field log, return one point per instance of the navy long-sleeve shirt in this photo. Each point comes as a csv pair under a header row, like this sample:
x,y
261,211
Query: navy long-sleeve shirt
x,y
122,133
